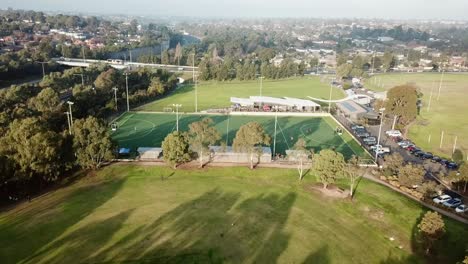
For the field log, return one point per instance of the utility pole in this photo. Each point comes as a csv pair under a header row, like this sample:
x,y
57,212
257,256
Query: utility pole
x,y
274,137
43,67
177,115
70,103
377,149
455,144
69,124
440,84
441,139
195,80
126,87
83,51
82,78
329,101
394,122
115,96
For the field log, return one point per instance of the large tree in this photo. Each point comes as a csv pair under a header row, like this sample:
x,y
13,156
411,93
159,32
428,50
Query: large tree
x,y
300,154
402,102
249,139
46,102
35,150
176,149
201,135
431,228
411,175
328,166
92,143
394,162
178,53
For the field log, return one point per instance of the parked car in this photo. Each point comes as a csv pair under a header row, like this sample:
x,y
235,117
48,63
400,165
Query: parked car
x,y
461,209
362,134
419,153
436,159
404,143
370,140
452,166
444,162
455,202
380,149
354,127
394,133
427,155
413,149
442,199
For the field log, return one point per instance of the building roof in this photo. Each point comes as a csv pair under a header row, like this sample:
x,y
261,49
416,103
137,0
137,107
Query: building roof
x,y
351,107
286,101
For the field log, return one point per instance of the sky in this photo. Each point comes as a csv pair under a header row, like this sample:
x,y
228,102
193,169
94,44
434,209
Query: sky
x,y
387,9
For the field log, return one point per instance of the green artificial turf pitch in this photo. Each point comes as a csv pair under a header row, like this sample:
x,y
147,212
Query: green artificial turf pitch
x,y
149,130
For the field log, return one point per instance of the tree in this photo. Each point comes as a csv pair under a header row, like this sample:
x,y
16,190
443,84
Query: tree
x,y
402,102
47,101
201,136
431,228
34,149
328,166
411,175
344,70
300,154
394,162
156,87
92,143
249,139
353,172
178,53
176,149
165,57
429,189
460,177
388,61
106,80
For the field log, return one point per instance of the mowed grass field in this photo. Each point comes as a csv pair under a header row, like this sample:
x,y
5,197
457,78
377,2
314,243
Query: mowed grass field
x,y
447,113
149,130
137,214
217,94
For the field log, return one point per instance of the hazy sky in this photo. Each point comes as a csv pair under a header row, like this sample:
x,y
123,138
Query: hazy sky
x,y
406,9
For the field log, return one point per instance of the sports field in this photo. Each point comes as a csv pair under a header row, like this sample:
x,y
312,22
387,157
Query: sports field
x,y
136,214
217,94
446,113
149,130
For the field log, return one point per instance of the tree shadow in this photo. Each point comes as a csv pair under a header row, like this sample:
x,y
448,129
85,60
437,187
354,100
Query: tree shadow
x,y
66,209
213,228
321,255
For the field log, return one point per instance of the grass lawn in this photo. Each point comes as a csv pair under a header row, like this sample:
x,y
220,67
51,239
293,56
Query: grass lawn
x,y
447,113
149,130
217,94
129,213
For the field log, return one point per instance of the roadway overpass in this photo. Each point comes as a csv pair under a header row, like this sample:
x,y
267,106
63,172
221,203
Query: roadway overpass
x,y
119,64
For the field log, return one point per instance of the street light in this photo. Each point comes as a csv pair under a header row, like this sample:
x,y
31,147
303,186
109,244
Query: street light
x,y
126,85
177,114
70,103
69,124
115,96
380,132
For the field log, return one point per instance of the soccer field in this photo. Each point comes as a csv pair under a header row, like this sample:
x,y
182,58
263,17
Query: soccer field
x,y
217,94
149,130
446,113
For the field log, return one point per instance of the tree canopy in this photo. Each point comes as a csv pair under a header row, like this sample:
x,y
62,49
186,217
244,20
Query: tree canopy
x,y
328,166
176,149
201,135
249,139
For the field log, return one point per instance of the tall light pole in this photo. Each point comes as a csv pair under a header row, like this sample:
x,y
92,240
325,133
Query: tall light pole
x,y
82,78
83,51
43,68
373,61
70,103
329,101
261,84
440,84
177,114
69,124
115,96
377,149
126,87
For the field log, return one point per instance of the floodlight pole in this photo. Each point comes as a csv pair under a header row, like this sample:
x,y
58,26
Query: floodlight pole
x,y
82,78
380,132
177,115
83,51
274,137
69,124
70,112
195,80
126,87
441,139
329,101
261,85
43,67
440,84
430,98
455,144
373,60
115,96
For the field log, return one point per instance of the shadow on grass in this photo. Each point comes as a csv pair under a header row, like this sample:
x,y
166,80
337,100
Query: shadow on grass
x,y
321,255
215,227
32,229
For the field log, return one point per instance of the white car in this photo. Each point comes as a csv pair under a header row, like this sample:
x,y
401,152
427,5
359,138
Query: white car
x,y
394,133
442,199
381,149
461,209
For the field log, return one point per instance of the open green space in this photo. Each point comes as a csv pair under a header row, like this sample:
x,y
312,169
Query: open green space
x,y
137,214
447,112
217,94
149,130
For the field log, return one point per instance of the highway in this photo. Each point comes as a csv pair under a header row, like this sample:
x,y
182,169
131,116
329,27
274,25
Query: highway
x,y
120,64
